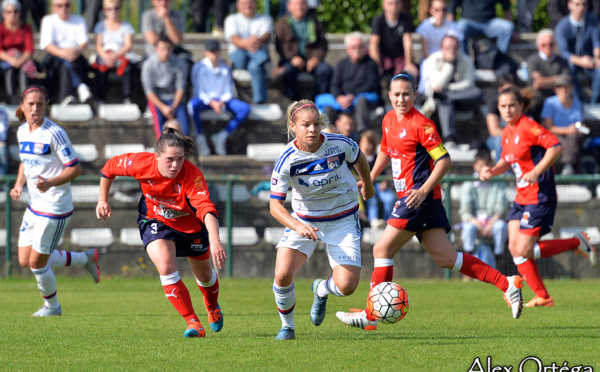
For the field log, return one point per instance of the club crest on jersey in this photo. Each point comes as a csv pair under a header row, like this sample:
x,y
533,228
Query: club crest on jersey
x,y
177,188
516,139
525,219
273,181
197,245
66,152
402,133
333,162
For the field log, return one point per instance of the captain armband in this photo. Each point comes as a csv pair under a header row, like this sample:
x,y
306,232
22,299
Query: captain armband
x,y
438,152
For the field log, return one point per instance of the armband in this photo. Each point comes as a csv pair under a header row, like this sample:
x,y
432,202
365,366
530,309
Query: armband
x,y
438,152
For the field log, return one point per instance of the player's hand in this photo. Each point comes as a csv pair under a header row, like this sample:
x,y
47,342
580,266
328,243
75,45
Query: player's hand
x,y
486,173
218,254
43,184
415,198
307,231
530,177
367,191
311,64
16,192
103,210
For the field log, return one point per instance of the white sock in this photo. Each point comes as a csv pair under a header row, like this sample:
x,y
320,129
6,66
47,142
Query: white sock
x,y
327,287
536,251
285,298
60,258
459,262
212,280
46,282
170,278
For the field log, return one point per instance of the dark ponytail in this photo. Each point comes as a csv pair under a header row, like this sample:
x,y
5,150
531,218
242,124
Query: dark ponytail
x,y
173,137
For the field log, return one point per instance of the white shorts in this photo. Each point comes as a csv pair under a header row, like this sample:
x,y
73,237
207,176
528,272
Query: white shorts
x,y
341,238
42,233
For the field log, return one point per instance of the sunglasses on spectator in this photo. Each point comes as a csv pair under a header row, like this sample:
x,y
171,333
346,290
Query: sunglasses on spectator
x,y
67,5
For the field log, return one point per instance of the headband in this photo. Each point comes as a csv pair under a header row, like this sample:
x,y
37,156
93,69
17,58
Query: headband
x,y
404,76
33,89
301,107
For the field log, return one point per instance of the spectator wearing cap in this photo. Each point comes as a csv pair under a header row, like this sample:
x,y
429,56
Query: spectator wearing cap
x,y
64,38
543,67
560,115
164,78
213,90
248,34
16,49
578,39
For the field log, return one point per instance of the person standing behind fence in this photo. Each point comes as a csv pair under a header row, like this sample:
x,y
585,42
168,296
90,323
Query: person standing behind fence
x,y
176,219
48,165
316,165
531,150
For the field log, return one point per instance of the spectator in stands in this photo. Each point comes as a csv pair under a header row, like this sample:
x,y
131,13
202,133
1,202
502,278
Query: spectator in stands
x,y
450,75
385,195
3,146
301,44
16,50
213,89
543,67
199,11
64,37
114,40
560,115
390,44
355,85
93,12
558,9
482,211
163,22
38,10
478,17
434,28
345,124
164,78
248,34
495,123
578,39
525,12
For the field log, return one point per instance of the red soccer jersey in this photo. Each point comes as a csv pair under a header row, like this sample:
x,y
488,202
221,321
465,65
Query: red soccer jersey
x,y
413,144
523,147
180,203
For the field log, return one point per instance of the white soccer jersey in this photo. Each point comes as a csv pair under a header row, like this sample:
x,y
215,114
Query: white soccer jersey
x,y
46,152
323,188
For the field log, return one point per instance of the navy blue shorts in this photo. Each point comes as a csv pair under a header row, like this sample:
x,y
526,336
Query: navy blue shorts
x,y
429,215
186,245
535,219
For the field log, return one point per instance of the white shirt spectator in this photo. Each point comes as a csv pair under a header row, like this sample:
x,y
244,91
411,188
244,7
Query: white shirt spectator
x,y
71,33
238,24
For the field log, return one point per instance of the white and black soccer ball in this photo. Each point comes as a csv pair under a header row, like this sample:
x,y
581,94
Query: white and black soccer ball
x,y
388,302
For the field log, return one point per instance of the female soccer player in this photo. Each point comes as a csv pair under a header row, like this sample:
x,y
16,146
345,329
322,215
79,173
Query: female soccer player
x,y
531,150
176,219
419,161
325,204
48,165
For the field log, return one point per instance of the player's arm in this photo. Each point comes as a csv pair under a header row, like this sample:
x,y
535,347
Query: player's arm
x,y
102,208
216,248
417,196
17,190
488,172
66,176
550,157
382,161
281,214
362,167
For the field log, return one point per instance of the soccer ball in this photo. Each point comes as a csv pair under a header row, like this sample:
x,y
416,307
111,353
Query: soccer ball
x,y
388,302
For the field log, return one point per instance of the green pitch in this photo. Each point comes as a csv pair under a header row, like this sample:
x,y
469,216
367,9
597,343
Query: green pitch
x,y
128,324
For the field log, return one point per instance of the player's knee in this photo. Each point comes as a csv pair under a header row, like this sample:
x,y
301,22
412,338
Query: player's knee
x,y
24,263
283,279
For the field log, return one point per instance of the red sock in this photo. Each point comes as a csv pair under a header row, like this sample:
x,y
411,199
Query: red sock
x,y
381,274
475,268
211,295
529,271
552,247
179,296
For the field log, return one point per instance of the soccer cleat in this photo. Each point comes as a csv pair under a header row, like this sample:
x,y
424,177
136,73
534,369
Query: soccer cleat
x,y
585,248
92,265
513,295
194,329
48,311
357,319
215,319
540,301
317,311
286,333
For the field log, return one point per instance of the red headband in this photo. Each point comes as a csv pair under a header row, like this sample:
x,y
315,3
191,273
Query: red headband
x,y
32,89
301,107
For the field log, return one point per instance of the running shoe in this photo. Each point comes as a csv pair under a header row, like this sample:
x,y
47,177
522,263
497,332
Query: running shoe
x,y
286,333
92,265
540,301
357,319
319,306
585,248
48,311
194,329
215,319
513,295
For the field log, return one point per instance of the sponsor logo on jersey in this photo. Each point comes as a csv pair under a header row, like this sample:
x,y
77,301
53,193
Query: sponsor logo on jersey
x,y
326,181
302,182
332,151
177,188
333,162
318,167
302,170
428,128
168,213
273,181
199,182
34,148
536,131
197,245
400,185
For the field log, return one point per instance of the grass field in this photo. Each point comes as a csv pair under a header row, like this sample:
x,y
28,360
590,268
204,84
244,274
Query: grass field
x,y
127,324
